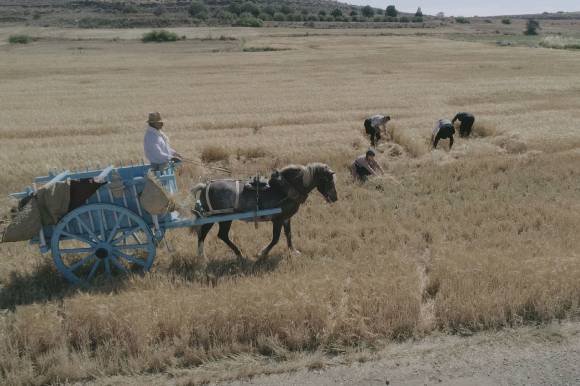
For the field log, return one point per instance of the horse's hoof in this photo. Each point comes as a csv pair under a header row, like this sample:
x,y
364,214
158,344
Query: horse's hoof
x,y
295,252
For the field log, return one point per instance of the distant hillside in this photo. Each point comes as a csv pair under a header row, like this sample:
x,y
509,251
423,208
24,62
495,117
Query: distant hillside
x,y
129,14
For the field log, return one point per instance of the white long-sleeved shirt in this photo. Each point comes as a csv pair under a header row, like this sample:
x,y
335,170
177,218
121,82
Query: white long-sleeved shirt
x,y
156,146
377,120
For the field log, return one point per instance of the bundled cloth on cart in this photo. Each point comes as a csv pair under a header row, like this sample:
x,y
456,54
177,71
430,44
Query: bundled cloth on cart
x,y
46,207
154,198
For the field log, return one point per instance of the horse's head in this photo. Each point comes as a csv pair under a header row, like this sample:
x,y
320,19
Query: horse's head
x,y
324,179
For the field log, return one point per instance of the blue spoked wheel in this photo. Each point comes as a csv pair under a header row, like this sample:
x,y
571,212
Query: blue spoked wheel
x,y
101,240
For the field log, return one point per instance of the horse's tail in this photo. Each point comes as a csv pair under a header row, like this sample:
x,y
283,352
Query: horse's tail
x,y
196,189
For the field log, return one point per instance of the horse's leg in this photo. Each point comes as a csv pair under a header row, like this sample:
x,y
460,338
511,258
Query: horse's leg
x,y
224,236
288,233
201,235
276,230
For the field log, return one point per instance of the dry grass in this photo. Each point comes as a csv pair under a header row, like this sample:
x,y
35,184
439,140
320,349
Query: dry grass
x,y
214,154
498,224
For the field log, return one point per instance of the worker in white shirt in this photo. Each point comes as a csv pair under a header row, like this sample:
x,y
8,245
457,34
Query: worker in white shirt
x,y
156,144
374,125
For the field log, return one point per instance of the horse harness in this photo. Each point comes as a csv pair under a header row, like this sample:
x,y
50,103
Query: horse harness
x,y
292,192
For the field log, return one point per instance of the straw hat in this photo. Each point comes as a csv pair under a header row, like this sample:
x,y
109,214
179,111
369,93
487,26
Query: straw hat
x,y
154,118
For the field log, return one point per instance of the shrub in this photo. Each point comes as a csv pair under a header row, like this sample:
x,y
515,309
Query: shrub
x,y
532,27
234,8
404,19
286,10
506,21
19,39
247,20
368,11
225,17
159,36
249,7
198,10
378,19
322,13
278,16
353,12
391,11
269,10
336,12
418,19
312,18
462,20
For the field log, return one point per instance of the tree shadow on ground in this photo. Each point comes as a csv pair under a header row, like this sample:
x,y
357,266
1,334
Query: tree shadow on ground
x,y
191,269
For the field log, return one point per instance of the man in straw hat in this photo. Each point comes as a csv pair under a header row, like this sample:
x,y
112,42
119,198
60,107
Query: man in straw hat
x,y
156,144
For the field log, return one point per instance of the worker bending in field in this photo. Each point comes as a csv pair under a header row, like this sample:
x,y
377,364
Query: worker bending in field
x,y
466,120
374,125
156,144
443,129
365,166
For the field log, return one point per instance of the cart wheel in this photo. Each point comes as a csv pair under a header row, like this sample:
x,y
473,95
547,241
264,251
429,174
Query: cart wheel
x,y
101,240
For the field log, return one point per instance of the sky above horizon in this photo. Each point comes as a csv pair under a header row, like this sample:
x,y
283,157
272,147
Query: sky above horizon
x,y
476,8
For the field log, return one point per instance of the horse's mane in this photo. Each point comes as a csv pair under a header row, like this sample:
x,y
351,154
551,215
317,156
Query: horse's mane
x,y
306,173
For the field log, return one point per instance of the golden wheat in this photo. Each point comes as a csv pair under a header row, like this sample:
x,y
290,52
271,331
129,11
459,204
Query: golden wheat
x,y
484,233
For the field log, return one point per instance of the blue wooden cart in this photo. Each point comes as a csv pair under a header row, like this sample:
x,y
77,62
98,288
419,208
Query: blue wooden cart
x,y
111,234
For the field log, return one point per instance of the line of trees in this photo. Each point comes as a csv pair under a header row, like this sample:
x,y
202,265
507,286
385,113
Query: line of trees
x,y
249,13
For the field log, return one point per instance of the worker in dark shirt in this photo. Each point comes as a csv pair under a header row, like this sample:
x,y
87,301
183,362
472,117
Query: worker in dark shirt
x,y
466,120
443,129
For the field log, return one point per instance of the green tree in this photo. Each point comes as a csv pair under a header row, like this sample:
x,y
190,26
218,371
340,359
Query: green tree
x,y
368,11
198,10
336,12
532,27
251,8
392,11
269,10
322,13
353,13
419,13
235,8
286,10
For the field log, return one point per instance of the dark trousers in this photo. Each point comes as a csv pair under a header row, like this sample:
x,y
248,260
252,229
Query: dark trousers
x,y
466,126
374,134
362,173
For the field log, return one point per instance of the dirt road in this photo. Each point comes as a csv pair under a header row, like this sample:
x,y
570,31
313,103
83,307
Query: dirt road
x,y
529,356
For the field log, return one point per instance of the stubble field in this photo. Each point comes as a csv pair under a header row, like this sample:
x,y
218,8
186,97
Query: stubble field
x,y
483,236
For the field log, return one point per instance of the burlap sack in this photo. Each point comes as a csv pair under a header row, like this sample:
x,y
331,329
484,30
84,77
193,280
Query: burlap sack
x,y
53,202
25,224
154,199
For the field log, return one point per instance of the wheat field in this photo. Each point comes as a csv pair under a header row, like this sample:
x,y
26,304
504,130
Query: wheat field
x,y
479,237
